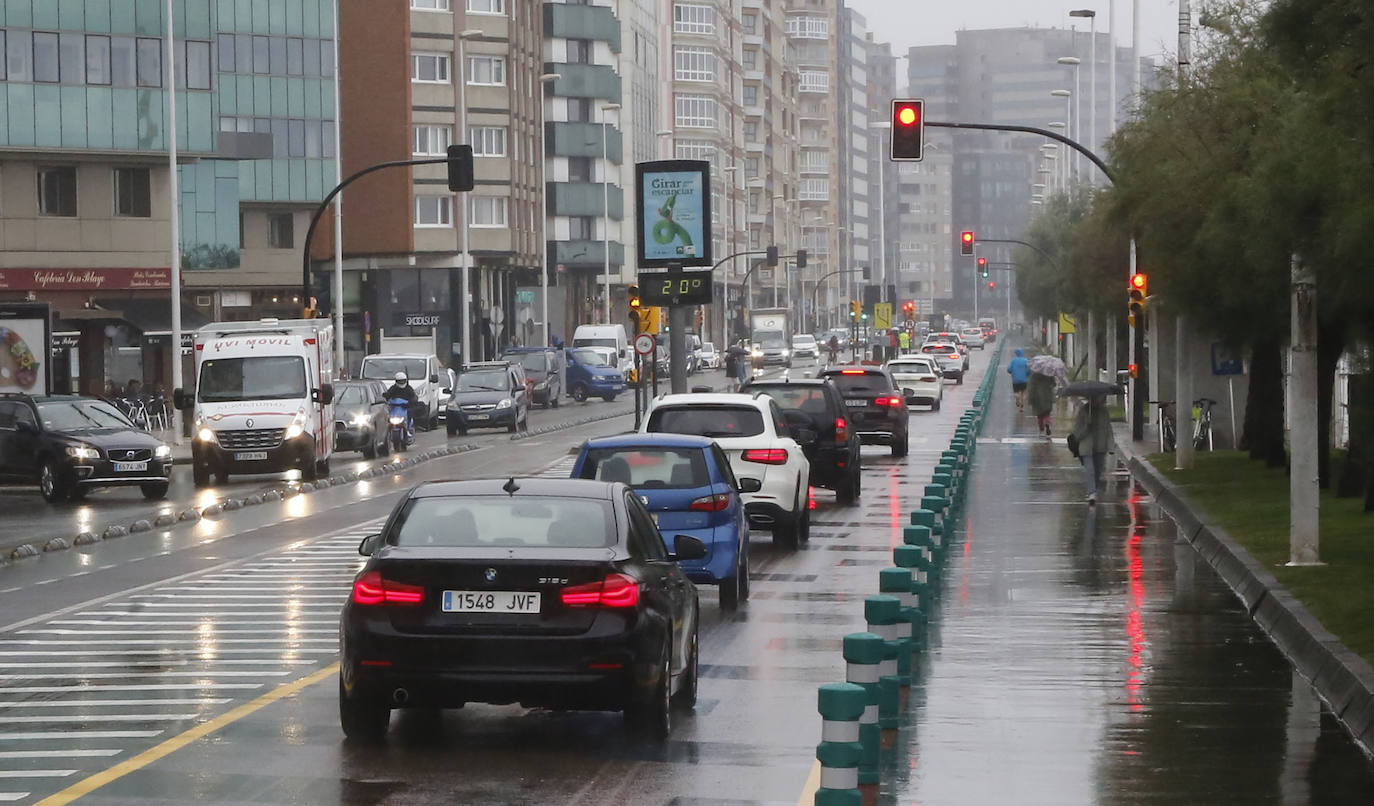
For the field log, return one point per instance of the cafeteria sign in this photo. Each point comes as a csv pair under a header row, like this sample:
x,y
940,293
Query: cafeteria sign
x,y
672,211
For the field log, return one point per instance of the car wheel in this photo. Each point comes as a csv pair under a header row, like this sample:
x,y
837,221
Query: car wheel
x,y
845,492
309,470
686,696
50,482
959,379
899,444
200,475
785,534
513,427
729,591
653,717
553,398
579,393
384,449
804,527
370,447
322,468
744,572
609,398
362,720
221,475
451,427
936,405
154,491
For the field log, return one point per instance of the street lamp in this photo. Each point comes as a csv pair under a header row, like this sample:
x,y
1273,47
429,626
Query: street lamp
x,y
544,81
1067,95
730,171
1092,75
1077,134
606,206
465,321
665,150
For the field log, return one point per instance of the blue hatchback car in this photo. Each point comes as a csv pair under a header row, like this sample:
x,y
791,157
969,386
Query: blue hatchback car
x,y
686,484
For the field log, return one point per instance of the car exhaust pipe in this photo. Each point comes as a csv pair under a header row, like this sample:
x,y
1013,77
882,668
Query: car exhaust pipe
x,y
400,696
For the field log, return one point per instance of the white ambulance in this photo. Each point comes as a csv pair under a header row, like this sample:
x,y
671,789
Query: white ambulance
x,y
263,399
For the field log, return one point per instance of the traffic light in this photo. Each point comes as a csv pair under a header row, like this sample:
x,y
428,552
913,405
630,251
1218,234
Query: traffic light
x,y
1134,370
460,176
966,242
992,285
633,293
697,319
648,319
1139,290
908,129
983,267
801,258
853,309
909,308
867,273
771,257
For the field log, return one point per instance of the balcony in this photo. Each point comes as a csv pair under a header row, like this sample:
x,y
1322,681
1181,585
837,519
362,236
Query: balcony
x,y
583,199
582,22
584,253
584,140
585,80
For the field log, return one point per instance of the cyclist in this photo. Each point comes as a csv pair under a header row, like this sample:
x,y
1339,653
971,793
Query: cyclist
x,y
834,347
1019,370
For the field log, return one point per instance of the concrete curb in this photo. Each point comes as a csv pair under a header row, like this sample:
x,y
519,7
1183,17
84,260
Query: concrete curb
x,y
1342,678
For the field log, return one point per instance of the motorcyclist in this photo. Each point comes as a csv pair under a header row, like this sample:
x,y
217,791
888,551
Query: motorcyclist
x,y
401,388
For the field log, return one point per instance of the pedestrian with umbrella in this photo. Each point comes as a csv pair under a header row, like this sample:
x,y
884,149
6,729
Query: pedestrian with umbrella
x,y
1047,372
1092,430
735,365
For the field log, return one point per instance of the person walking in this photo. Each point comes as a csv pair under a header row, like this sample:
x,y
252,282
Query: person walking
x,y
1092,428
1020,375
904,342
1040,396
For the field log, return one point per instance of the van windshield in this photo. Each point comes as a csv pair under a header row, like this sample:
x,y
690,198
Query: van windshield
x,y
591,358
611,343
385,369
769,340
266,377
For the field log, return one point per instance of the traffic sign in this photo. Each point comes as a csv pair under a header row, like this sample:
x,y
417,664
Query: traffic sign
x,y
644,343
882,315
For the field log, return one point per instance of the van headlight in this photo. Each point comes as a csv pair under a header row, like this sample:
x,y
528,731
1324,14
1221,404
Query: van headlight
x,y
297,426
204,434
361,420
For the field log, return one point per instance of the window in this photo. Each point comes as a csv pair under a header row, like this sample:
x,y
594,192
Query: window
x,y
579,169
3,55
581,228
281,231
815,81
295,138
295,57
694,64
488,141
815,189
695,111
750,96
197,72
488,211
808,27
97,60
750,59
690,18
276,56
579,51
579,110
429,67
133,196
696,150
815,161
57,191
71,53
433,211
482,6
750,24
432,140
433,5
149,62
45,57
751,166
224,47
487,70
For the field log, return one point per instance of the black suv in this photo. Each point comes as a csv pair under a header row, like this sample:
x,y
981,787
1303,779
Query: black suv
x,y
543,368
876,405
817,404
68,444
490,394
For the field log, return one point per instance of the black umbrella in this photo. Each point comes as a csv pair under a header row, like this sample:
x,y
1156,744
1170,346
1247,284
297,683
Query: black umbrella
x,y
737,350
1091,389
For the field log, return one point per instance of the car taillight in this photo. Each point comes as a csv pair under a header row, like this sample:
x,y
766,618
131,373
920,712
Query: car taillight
x,y
616,590
926,378
767,456
841,429
888,401
372,589
851,372
711,503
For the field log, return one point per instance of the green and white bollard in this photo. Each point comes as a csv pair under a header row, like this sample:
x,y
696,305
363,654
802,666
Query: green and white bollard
x,y
897,582
841,706
927,518
881,613
916,559
863,654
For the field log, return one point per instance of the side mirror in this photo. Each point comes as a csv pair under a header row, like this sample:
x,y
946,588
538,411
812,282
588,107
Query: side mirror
x,y
25,427
686,547
324,395
908,392
750,485
448,390
805,436
370,545
434,378
182,401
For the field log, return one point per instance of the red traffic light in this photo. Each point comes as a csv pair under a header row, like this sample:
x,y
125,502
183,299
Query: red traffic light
x,y
982,262
1133,370
908,129
966,242
907,115
992,284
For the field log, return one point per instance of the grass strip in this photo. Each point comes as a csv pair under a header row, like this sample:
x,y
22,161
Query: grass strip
x,y
1250,501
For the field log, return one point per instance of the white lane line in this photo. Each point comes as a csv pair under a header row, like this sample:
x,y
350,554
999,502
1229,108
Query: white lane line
x,y
207,628
164,623
206,655
115,664
211,637
41,735
189,686
220,596
36,773
12,797
68,753
116,703
130,673
248,607
83,718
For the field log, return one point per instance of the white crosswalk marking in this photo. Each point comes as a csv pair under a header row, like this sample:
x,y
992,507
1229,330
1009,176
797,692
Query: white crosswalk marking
x,y
175,653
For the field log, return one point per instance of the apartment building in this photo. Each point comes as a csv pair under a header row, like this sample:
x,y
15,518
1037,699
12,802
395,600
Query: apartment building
x,y
813,32
85,207
884,196
858,182
417,78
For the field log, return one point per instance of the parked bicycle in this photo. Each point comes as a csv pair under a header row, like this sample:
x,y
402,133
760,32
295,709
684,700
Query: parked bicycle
x,y
1202,423
1166,425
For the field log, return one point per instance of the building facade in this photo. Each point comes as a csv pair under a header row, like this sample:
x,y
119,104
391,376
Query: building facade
x,y
815,210
859,183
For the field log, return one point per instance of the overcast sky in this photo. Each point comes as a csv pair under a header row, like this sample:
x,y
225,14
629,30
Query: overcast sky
x,y
904,23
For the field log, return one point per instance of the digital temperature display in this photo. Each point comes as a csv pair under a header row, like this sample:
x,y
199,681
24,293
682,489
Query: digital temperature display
x,y
675,288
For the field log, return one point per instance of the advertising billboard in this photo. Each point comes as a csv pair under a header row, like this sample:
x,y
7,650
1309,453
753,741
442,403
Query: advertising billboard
x,y
673,213
24,336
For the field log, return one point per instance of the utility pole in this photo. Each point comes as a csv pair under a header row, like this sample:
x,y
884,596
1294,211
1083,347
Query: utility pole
x,y
1183,354
1303,484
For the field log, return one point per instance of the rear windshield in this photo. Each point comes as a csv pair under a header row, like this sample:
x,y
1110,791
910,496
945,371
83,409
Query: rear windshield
x,y
908,366
707,421
385,369
796,397
650,468
939,348
865,384
494,521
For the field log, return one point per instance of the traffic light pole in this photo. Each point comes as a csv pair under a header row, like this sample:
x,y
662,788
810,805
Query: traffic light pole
x,y
820,281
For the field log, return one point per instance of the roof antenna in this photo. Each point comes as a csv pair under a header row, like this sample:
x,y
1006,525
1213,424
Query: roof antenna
x,y
510,487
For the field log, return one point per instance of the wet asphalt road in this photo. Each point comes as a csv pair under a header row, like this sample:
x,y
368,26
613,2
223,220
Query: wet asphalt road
x,y
1077,659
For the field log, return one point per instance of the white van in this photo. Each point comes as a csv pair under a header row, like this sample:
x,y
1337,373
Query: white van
x,y
263,401
428,377
612,336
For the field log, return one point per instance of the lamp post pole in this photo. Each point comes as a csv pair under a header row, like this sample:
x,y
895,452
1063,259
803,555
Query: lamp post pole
x,y
1092,76
606,207
174,210
544,81
465,274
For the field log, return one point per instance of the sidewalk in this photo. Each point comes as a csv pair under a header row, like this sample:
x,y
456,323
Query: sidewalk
x,y
1082,654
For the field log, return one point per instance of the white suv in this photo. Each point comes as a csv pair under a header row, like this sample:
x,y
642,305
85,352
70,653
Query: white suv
x,y
918,377
753,433
973,337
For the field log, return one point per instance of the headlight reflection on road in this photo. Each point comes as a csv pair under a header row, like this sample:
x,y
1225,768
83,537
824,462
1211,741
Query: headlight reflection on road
x,y
206,644
296,506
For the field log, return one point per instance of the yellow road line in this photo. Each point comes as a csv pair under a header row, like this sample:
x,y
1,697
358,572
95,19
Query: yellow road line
x,y
808,793
166,748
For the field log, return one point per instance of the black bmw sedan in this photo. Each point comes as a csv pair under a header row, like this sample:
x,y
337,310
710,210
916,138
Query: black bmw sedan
x,y
553,593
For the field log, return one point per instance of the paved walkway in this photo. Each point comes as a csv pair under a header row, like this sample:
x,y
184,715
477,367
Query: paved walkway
x,y
1084,655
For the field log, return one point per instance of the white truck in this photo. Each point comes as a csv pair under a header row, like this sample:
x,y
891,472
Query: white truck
x,y
770,330
263,400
